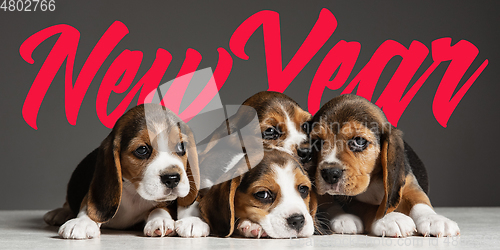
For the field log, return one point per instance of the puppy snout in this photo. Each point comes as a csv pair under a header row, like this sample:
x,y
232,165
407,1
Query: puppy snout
x,y
171,180
331,175
296,222
304,154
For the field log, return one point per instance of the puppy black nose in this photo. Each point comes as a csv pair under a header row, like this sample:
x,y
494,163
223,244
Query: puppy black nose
x,y
304,154
296,222
331,175
170,180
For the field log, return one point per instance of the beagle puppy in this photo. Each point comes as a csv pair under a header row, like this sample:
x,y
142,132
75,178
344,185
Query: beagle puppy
x,y
280,126
283,123
143,170
272,199
361,163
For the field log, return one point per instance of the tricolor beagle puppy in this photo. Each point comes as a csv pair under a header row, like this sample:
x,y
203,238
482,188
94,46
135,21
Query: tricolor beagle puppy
x,y
144,168
283,123
281,128
272,199
378,182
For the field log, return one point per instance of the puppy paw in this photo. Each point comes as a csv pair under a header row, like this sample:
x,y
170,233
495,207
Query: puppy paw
x,y
79,229
436,225
251,230
192,227
394,225
58,216
346,224
159,226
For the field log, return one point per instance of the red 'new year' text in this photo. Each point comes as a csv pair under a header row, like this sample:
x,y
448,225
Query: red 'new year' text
x,y
341,58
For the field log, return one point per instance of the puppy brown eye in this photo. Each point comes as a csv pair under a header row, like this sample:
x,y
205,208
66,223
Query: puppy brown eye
x,y
305,127
180,149
264,196
357,144
304,191
271,133
142,152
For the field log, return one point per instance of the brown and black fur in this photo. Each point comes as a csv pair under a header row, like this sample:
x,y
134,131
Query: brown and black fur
x,y
396,164
96,183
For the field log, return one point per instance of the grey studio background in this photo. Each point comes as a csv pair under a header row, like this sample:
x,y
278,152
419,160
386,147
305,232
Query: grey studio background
x,y
462,159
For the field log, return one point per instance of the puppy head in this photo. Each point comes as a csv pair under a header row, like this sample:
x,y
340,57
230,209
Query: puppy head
x,y
275,194
283,123
352,143
151,149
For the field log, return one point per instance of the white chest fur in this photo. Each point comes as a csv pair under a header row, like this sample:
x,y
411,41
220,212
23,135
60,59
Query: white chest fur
x,y
133,208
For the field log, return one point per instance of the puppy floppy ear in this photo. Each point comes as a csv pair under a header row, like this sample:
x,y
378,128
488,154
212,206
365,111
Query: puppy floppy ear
x,y
235,183
217,207
393,161
192,171
104,196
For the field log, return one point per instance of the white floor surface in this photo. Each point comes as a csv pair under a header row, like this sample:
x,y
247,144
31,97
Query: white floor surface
x,y
480,229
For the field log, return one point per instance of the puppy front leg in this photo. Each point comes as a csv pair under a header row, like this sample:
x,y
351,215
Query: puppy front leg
x,y
397,223
250,229
393,224
159,223
341,222
417,205
430,223
190,223
81,227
